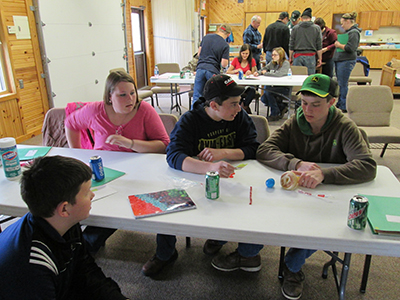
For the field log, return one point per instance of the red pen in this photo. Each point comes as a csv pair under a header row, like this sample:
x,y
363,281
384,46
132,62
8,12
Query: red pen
x,y
251,195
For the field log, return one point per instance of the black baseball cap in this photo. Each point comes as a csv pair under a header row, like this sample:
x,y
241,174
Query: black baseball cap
x,y
295,16
222,86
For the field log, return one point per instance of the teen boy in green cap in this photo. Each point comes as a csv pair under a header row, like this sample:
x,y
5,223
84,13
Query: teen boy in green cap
x,y
317,133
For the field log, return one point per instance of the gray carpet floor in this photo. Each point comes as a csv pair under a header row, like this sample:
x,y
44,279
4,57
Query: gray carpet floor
x,y
193,277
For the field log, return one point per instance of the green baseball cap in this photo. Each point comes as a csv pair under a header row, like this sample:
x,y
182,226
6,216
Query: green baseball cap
x,y
318,84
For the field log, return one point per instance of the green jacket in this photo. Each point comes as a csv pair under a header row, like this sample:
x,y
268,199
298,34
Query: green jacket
x,y
339,142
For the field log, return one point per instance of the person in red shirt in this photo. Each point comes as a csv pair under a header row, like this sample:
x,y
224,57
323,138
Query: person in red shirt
x,y
329,37
247,64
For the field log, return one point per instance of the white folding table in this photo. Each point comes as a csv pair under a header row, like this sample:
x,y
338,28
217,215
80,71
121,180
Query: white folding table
x,y
275,217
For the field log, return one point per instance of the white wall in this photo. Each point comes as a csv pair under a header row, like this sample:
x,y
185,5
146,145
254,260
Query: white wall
x,y
173,29
69,43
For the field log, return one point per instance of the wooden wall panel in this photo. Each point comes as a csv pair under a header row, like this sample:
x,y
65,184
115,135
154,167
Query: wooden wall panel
x,y
25,113
253,6
277,5
10,120
228,10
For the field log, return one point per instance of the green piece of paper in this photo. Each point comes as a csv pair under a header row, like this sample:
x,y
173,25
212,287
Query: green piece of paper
x,y
343,39
384,214
31,153
175,77
109,175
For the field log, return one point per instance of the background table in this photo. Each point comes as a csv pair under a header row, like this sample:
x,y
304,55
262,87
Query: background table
x,y
173,79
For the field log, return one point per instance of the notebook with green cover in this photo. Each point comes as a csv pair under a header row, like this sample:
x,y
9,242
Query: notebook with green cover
x,y
384,214
109,175
343,39
32,152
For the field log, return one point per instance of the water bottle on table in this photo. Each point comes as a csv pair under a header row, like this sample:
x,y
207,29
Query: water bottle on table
x,y
289,73
156,72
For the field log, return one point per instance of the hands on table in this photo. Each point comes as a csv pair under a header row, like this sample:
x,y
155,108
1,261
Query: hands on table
x,y
310,174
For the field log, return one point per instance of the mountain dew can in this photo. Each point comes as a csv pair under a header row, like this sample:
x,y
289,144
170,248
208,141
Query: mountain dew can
x,y
212,185
358,210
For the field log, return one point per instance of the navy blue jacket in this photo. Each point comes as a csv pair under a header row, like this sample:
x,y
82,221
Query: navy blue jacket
x,y
37,263
195,131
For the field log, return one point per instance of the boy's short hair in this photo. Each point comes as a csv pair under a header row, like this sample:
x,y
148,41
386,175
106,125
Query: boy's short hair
x,y
320,85
52,180
221,87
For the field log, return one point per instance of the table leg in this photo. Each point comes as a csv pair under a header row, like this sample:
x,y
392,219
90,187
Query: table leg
x,y
340,282
345,273
281,262
367,264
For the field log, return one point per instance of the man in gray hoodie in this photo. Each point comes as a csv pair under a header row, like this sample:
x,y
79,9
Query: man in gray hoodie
x,y
306,42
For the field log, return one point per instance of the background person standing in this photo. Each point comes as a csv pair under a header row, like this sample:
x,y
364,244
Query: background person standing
x,y
329,38
213,54
306,42
276,35
252,36
346,55
294,19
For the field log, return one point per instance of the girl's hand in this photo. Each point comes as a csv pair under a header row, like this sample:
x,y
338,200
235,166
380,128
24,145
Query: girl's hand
x,y
119,140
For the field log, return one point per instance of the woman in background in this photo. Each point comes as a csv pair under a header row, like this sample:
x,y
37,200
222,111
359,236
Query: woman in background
x,y
121,122
345,56
247,64
278,67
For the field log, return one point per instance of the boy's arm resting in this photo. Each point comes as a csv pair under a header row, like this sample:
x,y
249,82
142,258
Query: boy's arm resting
x,y
273,152
211,154
360,166
193,165
246,139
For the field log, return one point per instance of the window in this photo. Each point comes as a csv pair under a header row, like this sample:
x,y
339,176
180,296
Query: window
x,y
6,80
2,75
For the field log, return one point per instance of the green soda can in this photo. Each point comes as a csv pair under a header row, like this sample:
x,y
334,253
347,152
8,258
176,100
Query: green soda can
x,y
182,75
212,185
358,210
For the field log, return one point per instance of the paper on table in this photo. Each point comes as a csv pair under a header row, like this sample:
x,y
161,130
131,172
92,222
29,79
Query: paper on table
x,y
31,153
109,175
252,77
101,192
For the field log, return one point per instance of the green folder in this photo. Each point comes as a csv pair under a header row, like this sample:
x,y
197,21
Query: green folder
x,y
384,214
31,153
109,175
343,39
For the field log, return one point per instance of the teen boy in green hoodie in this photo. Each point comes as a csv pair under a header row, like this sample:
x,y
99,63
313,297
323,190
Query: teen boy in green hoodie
x,y
317,133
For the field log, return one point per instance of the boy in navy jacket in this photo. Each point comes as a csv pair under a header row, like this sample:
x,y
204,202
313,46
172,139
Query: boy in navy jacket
x,y
43,255
217,129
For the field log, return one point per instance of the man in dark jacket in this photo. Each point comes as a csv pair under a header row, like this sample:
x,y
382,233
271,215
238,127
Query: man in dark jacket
x,y
306,43
277,35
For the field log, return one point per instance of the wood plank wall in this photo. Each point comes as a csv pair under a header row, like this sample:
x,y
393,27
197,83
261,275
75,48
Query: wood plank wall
x,y
232,12
22,112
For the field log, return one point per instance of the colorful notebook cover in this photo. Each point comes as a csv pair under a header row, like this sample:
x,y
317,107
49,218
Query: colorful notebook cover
x,y
31,153
162,202
109,175
384,214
